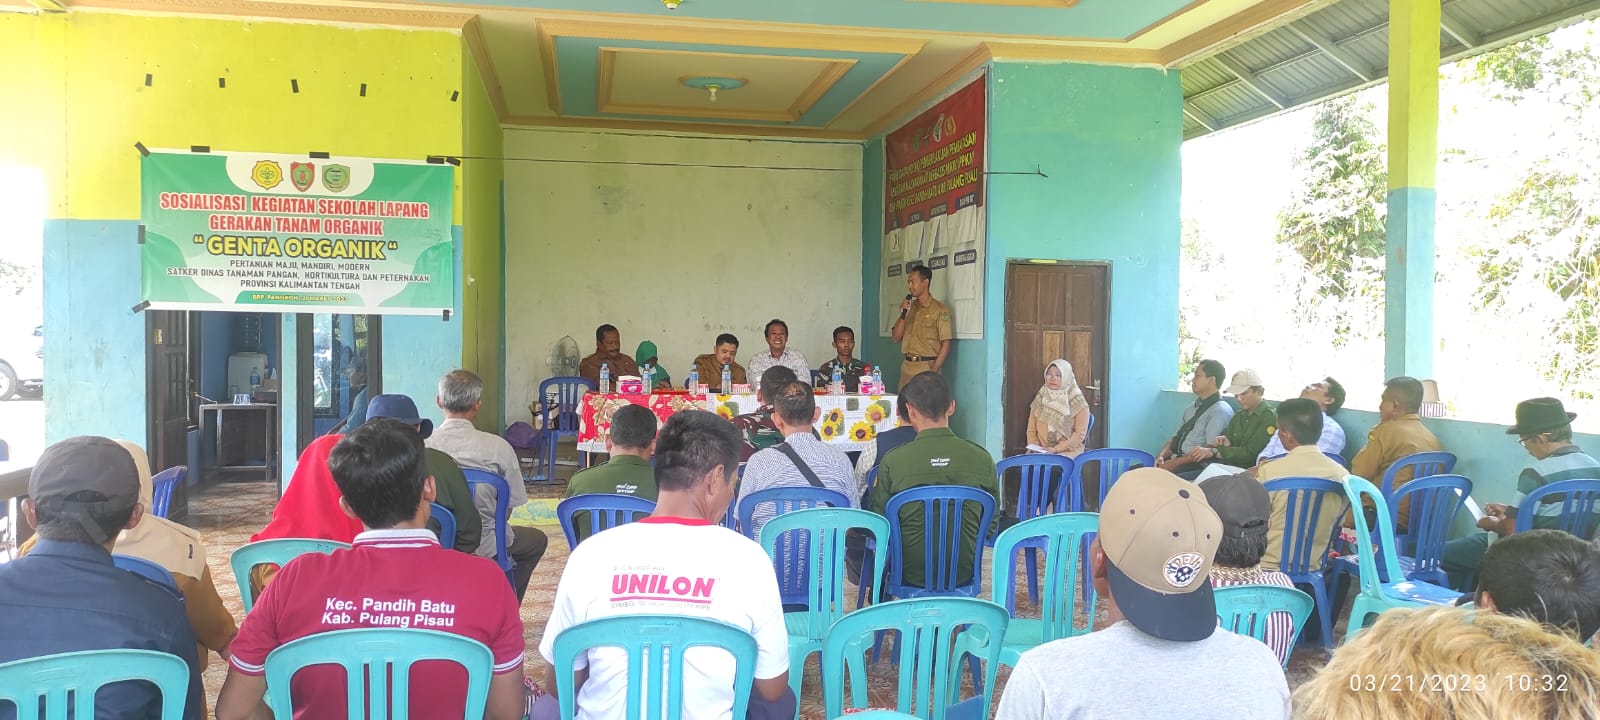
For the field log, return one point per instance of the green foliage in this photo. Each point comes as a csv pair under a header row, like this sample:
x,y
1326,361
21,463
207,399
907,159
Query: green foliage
x,y
1335,222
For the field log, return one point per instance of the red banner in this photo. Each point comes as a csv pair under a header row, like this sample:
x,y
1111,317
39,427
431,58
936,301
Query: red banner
x,y
935,162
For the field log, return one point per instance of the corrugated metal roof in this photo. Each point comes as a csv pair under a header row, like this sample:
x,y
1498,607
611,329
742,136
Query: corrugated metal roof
x,y
1341,48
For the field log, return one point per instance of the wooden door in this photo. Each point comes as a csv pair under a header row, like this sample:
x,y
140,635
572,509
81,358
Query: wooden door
x,y
1054,311
171,394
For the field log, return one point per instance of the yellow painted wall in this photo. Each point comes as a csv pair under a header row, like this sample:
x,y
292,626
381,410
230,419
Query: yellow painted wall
x,y
33,129
482,296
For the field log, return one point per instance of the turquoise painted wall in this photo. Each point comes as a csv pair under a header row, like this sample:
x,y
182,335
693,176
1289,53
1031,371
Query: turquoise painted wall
x,y
418,350
1108,138
94,348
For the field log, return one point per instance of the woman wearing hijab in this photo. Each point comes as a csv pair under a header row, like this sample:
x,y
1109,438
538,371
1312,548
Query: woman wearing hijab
x,y
647,354
1058,418
180,550
309,507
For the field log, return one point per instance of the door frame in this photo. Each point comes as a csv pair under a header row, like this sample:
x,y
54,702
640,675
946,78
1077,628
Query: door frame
x,y
1101,421
304,390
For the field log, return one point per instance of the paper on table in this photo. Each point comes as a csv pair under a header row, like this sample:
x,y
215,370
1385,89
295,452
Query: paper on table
x,y
1038,449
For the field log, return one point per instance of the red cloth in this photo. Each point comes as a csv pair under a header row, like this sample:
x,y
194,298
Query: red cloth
x,y
309,508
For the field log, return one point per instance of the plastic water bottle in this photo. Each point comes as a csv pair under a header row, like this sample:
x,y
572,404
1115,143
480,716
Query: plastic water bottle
x,y
836,386
877,379
727,379
649,373
605,378
255,377
693,383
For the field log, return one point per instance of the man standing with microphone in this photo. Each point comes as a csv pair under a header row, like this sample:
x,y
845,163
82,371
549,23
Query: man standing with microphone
x,y
923,329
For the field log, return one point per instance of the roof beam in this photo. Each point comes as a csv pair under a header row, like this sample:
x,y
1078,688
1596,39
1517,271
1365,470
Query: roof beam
x,y
1250,80
1459,30
1331,48
1201,116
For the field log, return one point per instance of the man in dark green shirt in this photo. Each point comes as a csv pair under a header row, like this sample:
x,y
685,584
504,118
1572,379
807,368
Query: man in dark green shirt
x,y
631,443
1247,432
935,457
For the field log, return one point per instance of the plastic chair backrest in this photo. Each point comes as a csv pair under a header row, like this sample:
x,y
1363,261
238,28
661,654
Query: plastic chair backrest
x,y
272,552
1040,475
75,676
1090,427
1063,545
1579,500
730,517
568,392
162,486
1421,465
1435,500
1336,457
1111,464
783,500
1355,488
944,512
930,671
447,524
655,642
601,511
1244,609
147,570
821,533
502,509
1308,499
872,477
383,657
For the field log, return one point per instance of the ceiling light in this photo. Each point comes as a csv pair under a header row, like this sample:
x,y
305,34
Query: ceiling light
x,y
713,85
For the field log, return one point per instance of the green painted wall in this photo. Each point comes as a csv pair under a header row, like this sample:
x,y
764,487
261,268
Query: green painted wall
x,y
483,289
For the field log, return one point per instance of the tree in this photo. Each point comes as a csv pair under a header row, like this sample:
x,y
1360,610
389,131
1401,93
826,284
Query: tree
x,y
1335,222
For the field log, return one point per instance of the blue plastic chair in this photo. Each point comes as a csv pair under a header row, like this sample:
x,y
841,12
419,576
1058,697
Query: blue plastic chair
x,y
1377,595
1579,500
872,477
1435,501
938,632
601,511
1060,538
1245,609
872,549
75,676
1336,457
730,518
382,657
148,570
944,511
162,486
272,552
1110,463
792,563
559,419
1421,465
1303,555
1040,486
447,524
821,533
656,642
502,512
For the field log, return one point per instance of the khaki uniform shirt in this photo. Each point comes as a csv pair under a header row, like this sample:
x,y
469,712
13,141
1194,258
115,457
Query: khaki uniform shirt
x,y
1303,461
936,457
927,326
711,373
1389,441
620,365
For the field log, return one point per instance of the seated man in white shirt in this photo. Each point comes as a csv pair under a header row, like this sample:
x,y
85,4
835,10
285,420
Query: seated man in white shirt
x,y
1329,395
778,352
1152,562
729,578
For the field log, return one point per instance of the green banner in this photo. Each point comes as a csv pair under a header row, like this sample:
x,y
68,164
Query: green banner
x,y
257,232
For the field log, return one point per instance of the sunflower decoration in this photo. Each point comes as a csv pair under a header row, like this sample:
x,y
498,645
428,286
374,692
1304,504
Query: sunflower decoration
x,y
727,410
834,417
863,431
878,412
829,431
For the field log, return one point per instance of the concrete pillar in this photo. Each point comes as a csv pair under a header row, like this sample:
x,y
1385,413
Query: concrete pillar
x,y
1413,154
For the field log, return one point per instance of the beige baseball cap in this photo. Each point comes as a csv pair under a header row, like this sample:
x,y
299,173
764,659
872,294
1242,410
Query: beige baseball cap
x,y
1244,380
1159,536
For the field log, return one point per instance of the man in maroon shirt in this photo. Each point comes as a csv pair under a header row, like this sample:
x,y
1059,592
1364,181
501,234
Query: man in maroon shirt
x,y
396,575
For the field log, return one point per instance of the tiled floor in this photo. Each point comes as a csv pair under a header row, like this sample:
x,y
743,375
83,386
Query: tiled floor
x,y
227,514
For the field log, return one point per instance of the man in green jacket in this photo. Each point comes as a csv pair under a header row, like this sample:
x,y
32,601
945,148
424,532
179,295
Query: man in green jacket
x,y
449,483
1245,435
935,457
631,443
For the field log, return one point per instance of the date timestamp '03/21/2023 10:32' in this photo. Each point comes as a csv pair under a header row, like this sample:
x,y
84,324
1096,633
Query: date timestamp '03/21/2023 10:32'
x,y
1398,682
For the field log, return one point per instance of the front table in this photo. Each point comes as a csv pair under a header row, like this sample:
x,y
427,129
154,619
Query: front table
x,y
847,422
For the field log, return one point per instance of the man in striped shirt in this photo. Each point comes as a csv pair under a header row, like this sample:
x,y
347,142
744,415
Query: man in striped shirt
x,y
1243,506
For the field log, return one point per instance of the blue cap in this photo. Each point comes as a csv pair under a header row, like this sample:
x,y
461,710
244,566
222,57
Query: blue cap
x,y
399,407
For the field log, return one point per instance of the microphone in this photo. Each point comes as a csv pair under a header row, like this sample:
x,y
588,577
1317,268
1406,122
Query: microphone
x,y
903,310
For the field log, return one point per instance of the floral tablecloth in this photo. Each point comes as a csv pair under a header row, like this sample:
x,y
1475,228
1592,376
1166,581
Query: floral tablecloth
x,y
848,422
